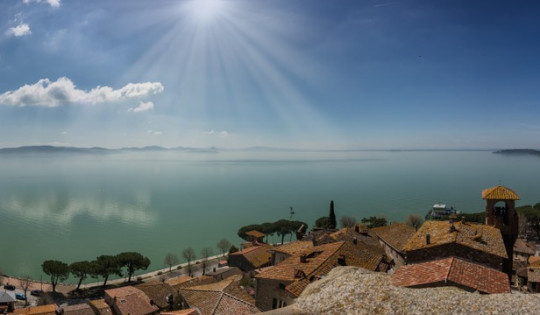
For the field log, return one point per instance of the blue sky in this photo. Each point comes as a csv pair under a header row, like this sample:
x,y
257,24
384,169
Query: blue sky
x,y
283,73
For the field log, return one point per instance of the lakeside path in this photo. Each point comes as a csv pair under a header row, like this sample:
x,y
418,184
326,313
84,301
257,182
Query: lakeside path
x,y
148,276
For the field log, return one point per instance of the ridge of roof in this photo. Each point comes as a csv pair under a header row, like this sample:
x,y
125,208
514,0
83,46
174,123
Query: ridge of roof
x,y
499,192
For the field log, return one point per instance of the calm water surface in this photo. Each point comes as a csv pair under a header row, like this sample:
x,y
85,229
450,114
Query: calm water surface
x,y
76,207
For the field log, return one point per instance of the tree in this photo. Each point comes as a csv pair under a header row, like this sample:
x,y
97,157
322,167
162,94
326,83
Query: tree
x,y
106,265
414,221
81,270
189,255
322,222
59,271
348,222
170,260
373,221
133,261
205,253
332,216
25,284
223,245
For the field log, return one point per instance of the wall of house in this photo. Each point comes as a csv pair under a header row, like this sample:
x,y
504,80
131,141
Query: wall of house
x,y
392,254
456,250
278,257
269,289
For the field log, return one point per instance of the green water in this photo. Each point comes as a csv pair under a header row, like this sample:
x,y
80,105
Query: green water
x,y
76,207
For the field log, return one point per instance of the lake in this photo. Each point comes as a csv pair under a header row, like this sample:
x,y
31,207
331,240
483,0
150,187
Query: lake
x,y
73,207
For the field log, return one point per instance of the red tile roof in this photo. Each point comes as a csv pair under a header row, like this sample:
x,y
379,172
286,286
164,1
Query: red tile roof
x,y
521,246
224,297
49,309
318,262
130,300
255,234
534,261
256,255
455,270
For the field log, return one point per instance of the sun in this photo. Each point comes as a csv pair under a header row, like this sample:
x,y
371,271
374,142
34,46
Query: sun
x,y
206,11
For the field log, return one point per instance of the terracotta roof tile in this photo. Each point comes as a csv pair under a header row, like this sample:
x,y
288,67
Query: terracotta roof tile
x,y
533,274
499,193
189,311
256,255
49,309
477,236
255,234
130,300
395,235
534,261
460,272
101,306
157,292
319,261
224,297
78,309
293,248
521,246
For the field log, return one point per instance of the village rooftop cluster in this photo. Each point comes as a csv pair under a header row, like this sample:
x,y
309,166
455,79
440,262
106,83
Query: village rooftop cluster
x,y
490,258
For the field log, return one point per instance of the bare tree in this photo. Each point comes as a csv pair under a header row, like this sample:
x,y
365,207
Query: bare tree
x,y
347,222
414,221
224,245
189,255
205,253
170,260
25,284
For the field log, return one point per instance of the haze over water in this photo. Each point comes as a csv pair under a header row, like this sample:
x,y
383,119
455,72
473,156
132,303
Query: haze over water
x,y
74,207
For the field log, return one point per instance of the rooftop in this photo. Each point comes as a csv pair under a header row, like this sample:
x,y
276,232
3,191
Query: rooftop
x,y
534,261
460,272
395,235
49,309
224,297
521,246
499,193
477,236
293,248
533,274
256,255
157,292
255,233
130,300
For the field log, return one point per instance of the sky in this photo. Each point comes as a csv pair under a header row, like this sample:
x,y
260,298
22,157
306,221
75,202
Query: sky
x,y
310,74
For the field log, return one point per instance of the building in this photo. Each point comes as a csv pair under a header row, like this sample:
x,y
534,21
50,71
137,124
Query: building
x,y
251,258
224,273
130,300
161,294
477,243
279,285
533,274
7,301
101,307
50,309
77,309
501,214
282,252
523,250
452,271
392,238
223,297
255,236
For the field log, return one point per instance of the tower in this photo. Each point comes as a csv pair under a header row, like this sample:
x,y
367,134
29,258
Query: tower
x,y
501,213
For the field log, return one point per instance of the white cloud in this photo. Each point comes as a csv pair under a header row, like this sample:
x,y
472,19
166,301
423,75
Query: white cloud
x,y
143,106
155,133
222,134
63,91
20,30
52,3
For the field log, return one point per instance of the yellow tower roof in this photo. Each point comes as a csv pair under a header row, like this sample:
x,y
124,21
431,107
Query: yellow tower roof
x,y
499,193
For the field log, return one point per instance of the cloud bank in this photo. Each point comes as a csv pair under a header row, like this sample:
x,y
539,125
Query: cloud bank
x,y
63,91
20,30
52,3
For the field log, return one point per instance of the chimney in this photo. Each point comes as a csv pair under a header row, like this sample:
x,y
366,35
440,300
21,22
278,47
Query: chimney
x,y
428,239
303,259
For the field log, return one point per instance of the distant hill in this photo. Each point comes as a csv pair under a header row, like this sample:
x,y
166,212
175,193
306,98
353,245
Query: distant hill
x,y
519,152
46,149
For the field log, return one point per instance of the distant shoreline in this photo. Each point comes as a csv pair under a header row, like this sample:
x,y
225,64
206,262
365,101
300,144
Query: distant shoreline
x,y
519,152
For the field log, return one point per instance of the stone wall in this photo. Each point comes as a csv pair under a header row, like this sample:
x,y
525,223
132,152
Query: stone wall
x,y
269,289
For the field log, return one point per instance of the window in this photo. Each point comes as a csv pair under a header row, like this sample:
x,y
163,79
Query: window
x,y
277,303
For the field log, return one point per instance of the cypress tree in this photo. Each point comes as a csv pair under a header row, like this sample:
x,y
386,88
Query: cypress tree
x,y
332,217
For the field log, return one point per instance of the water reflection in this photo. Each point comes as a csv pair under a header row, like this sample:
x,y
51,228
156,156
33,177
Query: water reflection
x,y
61,207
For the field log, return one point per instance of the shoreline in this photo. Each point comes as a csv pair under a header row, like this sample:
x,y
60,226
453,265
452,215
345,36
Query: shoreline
x,y
63,287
